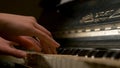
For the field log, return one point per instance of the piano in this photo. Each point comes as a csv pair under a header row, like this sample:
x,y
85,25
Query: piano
x,y
87,31
92,24
90,29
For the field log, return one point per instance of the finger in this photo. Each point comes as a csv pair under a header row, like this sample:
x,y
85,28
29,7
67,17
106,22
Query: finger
x,y
41,28
48,45
53,50
27,42
13,43
46,49
17,53
13,52
45,38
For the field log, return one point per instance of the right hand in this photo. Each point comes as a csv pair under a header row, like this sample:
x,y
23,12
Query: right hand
x,y
17,25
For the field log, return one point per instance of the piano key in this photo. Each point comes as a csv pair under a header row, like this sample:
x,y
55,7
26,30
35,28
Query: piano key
x,y
59,50
114,54
75,51
91,53
100,53
67,51
62,51
83,52
117,56
109,54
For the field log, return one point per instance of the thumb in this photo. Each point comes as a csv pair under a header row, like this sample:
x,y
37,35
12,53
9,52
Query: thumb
x,y
14,52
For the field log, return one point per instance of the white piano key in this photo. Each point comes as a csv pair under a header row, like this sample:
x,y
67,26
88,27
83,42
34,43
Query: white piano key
x,y
97,29
79,31
88,30
108,28
118,27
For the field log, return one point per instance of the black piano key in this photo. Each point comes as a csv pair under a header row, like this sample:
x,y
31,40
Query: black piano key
x,y
59,50
92,53
109,54
83,52
62,51
117,56
100,53
75,51
67,51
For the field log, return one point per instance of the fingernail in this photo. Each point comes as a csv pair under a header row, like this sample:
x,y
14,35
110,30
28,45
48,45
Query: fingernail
x,y
58,45
21,54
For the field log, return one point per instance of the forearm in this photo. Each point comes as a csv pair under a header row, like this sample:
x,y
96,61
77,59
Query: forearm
x,y
2,24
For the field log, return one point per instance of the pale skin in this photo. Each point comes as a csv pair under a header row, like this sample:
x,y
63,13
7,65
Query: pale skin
x,y
21,29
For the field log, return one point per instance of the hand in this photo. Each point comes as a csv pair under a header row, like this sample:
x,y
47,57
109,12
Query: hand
x,y
29,43
16,25
7,49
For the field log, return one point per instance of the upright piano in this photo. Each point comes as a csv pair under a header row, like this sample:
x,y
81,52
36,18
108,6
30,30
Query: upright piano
x,y
88,32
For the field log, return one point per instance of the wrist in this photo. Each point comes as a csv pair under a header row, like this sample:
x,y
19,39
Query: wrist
x,y
2,21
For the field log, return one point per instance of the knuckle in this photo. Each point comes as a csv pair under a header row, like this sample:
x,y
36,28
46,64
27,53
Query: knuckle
x,y
50,33
31,17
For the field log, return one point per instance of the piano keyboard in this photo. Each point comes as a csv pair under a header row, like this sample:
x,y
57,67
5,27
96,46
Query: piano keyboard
x,y
38,60
68,61
91,53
